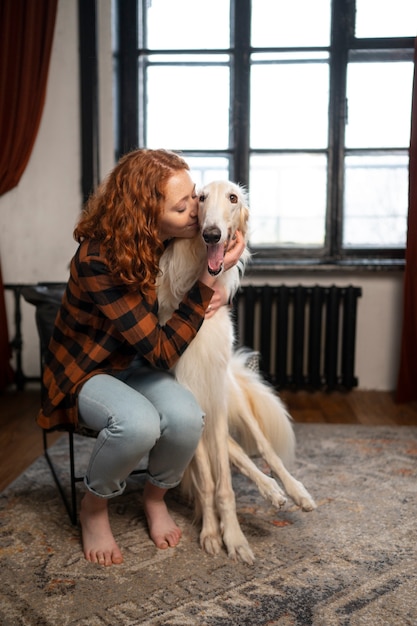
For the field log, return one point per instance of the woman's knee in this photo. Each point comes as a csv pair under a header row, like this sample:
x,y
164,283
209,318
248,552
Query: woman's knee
x,y
184,417
109,405
136,427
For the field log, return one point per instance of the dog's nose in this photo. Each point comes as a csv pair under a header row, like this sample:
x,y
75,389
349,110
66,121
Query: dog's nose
x,y
211,234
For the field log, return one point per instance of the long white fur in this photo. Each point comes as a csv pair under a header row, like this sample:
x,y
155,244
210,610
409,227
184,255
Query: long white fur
x,y
244,415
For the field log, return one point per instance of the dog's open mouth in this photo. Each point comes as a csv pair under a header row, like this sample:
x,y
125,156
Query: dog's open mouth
x,y
215,255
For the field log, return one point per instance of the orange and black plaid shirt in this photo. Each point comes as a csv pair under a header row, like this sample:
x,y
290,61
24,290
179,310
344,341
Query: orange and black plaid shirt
x,y
102,325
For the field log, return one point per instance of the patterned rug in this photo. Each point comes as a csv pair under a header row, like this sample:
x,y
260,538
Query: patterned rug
x,y
353,561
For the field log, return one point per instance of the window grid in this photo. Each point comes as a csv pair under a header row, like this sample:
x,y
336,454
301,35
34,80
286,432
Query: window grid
x,y
133,63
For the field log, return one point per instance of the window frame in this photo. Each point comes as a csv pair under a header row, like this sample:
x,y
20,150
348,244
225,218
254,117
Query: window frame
x,y
131,99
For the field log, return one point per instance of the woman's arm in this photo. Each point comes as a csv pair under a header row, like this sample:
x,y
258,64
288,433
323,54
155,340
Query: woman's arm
x,y
107,313
134,315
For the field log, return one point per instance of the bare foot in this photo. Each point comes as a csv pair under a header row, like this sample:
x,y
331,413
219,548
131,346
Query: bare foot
x,y
98,541
162,529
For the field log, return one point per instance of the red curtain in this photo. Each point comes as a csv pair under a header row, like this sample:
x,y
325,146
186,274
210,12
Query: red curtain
x,y
407,378
26,32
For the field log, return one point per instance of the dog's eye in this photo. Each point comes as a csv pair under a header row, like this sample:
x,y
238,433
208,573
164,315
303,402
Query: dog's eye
x,y
233,198
201,197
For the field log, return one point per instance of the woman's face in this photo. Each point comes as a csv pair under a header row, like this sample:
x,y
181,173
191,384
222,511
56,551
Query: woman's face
x,y
179,216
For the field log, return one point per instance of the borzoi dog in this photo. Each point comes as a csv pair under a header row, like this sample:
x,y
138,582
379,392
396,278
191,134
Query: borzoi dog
x,y
244,416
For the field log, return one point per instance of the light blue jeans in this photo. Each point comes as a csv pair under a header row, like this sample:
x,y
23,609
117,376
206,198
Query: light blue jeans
x,y
138,412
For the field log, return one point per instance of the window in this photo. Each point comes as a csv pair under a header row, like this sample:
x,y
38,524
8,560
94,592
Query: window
x,y
308,104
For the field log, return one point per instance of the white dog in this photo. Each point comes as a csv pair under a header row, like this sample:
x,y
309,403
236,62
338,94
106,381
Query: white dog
x,y
244,416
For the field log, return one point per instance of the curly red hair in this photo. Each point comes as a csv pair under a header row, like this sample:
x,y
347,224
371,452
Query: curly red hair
x,y
124,214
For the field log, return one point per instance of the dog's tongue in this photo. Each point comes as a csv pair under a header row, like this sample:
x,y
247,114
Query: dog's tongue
x,y
215,258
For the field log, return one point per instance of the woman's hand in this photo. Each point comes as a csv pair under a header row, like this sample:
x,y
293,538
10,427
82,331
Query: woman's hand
x,y
234,251
219,299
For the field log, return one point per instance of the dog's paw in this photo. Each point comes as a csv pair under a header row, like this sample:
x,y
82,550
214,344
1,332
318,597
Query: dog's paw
x,y
303,499
307,503
212,544
238,548
271,491
241,552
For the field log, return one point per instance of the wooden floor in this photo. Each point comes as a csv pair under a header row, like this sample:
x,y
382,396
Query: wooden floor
x,y
21,439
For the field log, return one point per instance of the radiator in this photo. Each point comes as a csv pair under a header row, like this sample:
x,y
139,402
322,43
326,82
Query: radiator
x,y
305,335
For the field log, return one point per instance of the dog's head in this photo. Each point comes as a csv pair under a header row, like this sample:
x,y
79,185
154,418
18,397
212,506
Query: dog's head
x,y
223,209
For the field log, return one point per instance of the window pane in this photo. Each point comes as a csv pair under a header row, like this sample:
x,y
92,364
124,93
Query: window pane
x,y
376,199
178,117
385,18
379,105
288,200
299,23
206,169
187,24
289,105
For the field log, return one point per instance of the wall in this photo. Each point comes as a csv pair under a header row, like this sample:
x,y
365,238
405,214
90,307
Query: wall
x,y
38,216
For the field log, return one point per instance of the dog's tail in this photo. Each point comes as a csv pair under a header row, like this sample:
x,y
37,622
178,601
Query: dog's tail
x,y
251,396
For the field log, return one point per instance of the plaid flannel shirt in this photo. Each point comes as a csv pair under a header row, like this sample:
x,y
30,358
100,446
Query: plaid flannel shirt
x,y
102,325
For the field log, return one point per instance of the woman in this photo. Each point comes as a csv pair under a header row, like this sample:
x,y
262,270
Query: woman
x,y
106,365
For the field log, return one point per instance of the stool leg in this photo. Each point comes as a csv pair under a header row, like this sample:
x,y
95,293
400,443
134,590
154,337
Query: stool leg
x,y
73,479
70,507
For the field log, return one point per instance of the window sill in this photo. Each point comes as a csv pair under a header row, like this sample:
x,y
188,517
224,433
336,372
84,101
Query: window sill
x,y
305,266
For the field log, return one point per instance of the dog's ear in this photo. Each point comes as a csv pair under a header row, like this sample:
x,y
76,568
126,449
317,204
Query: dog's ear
x,y
244,213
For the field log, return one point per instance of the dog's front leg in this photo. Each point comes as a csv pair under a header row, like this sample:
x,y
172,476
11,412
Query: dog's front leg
x,y
204,490
237,545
